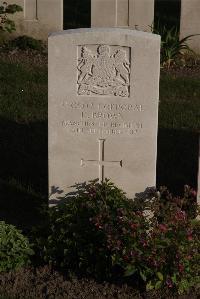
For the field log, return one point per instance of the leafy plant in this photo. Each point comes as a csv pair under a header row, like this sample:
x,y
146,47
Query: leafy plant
x,y
15,250
171,46
165,204
88,232
98,231
173,253
7,24
25,42
167,250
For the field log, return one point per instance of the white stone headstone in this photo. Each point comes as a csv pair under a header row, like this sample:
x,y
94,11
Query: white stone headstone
x,y
190,22
39,17
135,14
30,10
103,107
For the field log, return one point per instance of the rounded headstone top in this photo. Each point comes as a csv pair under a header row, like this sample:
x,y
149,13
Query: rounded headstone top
x,y
130,32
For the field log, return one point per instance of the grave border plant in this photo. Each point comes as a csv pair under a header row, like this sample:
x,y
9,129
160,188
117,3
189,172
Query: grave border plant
x,y
172,47
102,234
15,249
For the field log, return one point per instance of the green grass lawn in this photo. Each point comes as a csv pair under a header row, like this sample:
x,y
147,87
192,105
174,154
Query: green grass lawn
x,y
23,93
23,137
23,97
179,103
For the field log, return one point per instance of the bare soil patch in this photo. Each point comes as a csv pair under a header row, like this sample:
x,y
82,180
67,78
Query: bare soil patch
x,y
45,283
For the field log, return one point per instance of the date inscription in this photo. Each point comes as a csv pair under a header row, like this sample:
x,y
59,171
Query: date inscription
x,y
102,119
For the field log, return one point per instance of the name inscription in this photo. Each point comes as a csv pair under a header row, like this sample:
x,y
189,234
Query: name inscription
x,y
102,119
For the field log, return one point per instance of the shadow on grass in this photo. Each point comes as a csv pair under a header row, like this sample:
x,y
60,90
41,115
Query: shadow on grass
x,y
23,172
177,159
24,168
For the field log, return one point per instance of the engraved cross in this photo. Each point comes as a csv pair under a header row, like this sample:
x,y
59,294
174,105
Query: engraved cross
x,y
101,161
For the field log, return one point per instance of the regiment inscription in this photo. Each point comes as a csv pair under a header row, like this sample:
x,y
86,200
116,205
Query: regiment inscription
x,y
103,119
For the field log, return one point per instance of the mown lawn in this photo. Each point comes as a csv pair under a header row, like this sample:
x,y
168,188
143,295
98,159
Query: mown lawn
x,y
23,137
180,103
23,92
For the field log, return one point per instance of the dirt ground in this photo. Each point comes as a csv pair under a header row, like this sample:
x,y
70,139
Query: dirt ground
x,y
44,283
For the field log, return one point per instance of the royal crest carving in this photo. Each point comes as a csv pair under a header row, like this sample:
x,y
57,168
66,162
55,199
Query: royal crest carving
x,y
104,70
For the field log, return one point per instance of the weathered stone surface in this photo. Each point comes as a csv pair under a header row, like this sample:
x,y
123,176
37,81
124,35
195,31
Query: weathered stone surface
x,y
103,107
39,18
136,14
190,22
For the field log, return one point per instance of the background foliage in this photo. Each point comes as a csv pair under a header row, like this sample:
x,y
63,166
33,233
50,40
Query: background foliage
x,y
7,24
15,250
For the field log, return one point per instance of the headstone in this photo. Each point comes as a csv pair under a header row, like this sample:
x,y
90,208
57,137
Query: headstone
x,y
198,188
103,108
39,17
135,14
30,10
190,22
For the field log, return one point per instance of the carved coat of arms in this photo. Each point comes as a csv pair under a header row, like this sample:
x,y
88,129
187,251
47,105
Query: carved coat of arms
x,y
103,73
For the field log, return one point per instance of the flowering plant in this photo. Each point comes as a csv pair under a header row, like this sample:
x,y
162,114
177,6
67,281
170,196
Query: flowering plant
x,y
173,250
99,232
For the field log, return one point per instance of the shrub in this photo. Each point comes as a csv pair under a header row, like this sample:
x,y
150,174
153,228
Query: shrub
x,y
26,42
100,232
171,46
165,204
5,23
87,232
15,250
172,252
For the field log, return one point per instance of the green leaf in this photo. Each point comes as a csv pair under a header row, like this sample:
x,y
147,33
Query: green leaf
x,y
174,278
149,286
158,285
160,276
183,286
130,270
143,276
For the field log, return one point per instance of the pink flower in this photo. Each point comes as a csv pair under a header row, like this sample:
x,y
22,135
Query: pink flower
x,y
134,226
120,218
180,215
144,243
193,193
155,263
163,228
98,225
169,283
189,235
181,268
126,258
